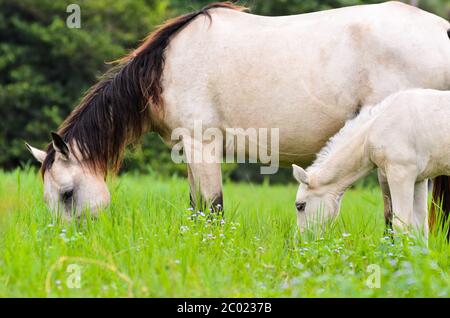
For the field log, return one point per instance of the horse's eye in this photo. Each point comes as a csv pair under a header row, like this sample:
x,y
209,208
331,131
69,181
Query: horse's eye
x,y
300,206
66,196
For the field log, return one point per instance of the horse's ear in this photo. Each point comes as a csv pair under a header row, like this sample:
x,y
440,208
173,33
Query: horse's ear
x,y
300,174
60,146
38,154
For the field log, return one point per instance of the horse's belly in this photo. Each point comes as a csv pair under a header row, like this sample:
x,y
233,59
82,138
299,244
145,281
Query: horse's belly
x,y
282,145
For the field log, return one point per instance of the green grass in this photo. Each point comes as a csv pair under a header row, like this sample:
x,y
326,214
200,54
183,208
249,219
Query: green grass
x,y
146,245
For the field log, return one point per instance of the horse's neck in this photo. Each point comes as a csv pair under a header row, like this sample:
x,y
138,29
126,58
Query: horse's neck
x,y
346,163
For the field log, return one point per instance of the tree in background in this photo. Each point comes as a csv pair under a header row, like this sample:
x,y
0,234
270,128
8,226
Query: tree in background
x,y
45,66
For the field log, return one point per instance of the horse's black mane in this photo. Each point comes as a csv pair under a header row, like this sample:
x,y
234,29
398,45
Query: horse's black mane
x,y
124,103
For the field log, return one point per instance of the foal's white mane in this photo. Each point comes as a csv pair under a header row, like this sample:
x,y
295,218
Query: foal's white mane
x,y
350,128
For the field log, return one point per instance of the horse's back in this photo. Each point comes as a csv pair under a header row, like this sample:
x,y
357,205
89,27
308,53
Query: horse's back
x,y
349,56
413,129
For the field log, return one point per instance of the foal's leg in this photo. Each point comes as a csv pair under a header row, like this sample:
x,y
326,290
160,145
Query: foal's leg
x,y
401,182
420,214
386,193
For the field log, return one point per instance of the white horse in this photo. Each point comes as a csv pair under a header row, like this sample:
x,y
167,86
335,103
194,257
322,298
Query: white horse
x,y
407,136
304,74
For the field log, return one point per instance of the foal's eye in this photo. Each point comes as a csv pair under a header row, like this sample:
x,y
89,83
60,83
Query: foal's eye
x,y
66,196
300,206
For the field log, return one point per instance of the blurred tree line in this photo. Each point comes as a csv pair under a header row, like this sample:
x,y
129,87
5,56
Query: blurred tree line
x,y
45,66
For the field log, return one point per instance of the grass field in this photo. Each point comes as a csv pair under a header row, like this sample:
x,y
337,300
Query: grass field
x,y
147,245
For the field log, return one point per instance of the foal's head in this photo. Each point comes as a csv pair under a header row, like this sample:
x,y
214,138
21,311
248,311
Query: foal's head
x,y
315,204
69,185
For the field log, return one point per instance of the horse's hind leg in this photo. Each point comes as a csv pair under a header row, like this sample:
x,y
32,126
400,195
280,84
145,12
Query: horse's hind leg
x,y
401,180
420,214
386,193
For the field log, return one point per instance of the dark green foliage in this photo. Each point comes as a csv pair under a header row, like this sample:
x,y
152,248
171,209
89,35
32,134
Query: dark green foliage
x,y
45,66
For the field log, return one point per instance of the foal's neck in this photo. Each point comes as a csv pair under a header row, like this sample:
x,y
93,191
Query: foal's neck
x,y
345,163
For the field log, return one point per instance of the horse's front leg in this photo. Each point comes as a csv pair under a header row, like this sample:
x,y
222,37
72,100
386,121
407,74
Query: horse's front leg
x,y
387,200
420,214
401,181
205,182
204,174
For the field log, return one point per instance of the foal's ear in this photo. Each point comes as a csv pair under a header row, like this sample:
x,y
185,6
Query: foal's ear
x,y
300,174
60,146
39,155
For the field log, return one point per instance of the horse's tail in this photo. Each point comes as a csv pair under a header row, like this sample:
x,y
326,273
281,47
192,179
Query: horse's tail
x,y
440,206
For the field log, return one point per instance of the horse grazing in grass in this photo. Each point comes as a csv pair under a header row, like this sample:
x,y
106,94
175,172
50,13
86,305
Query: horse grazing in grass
x,y
407,137
304,74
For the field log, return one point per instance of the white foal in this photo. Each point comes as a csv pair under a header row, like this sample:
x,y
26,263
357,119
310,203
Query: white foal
x,y
407,136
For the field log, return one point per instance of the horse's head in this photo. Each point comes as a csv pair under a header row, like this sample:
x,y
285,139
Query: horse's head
x,y
315,203
69,185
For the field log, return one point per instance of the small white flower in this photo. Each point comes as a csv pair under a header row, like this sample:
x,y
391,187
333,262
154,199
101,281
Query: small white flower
x,y
346,234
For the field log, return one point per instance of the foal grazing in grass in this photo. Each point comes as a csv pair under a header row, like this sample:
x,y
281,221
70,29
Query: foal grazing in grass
x,y
407,137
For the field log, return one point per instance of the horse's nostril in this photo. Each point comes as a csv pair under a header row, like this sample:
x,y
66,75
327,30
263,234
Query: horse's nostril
x,y
300,206
66,196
